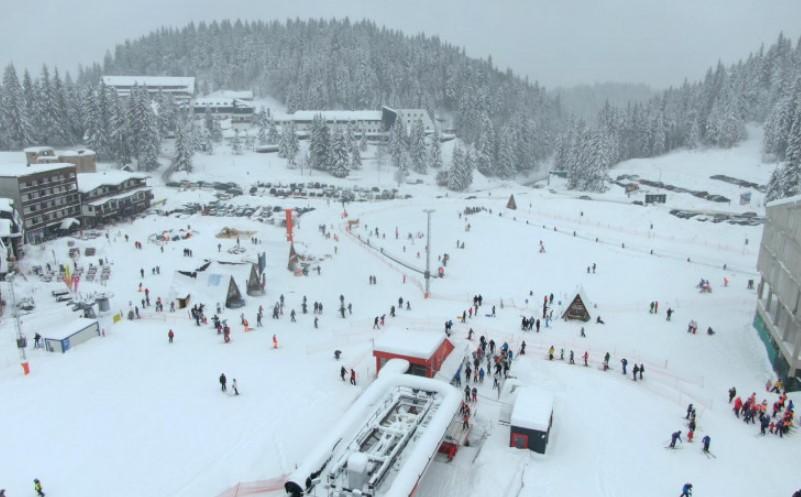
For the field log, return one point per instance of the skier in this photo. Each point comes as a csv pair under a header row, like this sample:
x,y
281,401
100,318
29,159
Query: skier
x,y
275,342
706,441
550,353
292,316
669,313
689,411
687,490
571,358
223,381
234,386
642,369
315,321
606,361
624,363
635,371
342,372
170,335
675,436
586,357
352,377
37,486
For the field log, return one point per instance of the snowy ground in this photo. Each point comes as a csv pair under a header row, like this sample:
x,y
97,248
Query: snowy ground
x,y
132,414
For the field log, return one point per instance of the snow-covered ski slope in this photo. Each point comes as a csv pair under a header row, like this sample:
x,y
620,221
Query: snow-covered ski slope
x,y
129,414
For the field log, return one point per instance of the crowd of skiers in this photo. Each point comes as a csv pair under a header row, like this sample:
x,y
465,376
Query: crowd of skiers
x,y
776,418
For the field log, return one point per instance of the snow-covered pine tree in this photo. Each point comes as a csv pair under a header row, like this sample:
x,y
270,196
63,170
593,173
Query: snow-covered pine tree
x,y
417,148
262,123
456,173
339,155
272,131
398,150
506,156
148,159
182,160
319,144
12,111
283,143
120,134
469,167
435,151
293,145
29,107
355,156
58,112
776,188
485,148
362,140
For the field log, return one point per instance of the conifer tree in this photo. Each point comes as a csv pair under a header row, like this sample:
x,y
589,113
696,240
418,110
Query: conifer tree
x,y
182,160
339,155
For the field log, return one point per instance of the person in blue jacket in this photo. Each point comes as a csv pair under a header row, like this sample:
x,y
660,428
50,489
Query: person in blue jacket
x,y
686,490
706,441
674,437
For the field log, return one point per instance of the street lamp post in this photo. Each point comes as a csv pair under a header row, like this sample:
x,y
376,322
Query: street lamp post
x,y
428,252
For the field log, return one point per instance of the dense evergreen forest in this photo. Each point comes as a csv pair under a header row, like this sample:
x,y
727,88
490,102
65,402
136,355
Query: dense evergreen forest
x,y
508,124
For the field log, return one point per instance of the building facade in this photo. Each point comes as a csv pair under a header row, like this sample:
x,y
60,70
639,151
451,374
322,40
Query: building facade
x,y
778,316
84,159
11,231
112,196
238,111
375,123
46,196
182,89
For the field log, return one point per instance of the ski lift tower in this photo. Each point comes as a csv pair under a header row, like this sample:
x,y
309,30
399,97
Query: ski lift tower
x,y
428,252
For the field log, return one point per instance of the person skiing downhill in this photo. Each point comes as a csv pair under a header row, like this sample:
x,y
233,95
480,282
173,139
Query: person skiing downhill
x,y
223,381
170,335
706,441
342,372
687,490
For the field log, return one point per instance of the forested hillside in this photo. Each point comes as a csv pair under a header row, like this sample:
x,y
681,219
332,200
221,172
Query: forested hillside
x,y
764,88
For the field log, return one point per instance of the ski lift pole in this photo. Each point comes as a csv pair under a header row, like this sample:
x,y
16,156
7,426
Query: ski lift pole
x,y
428,252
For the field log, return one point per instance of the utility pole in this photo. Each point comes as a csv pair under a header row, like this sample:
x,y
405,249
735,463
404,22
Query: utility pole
x,y
428,252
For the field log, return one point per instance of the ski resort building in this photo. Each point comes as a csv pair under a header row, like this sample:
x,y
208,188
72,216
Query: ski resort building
x,y
111,196
182,89
532,417
375,123
778,313
10,228
384,443
237,110
425,351
60,329
85,160
46,196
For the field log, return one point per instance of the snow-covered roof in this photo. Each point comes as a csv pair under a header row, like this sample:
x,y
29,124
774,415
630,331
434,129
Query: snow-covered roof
x,y
16,170
56,323
5,227
409,343
6,204
89,181
332,115
238,94
152,81
76,153
784,201
119,196
37,150
533,408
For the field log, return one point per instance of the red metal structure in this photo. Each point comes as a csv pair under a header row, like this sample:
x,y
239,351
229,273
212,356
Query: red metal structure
x,y
425,351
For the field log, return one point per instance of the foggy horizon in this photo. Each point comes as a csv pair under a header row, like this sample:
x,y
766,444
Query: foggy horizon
x,y
572,44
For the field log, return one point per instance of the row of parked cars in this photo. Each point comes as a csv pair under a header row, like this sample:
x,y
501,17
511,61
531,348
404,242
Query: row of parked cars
x,y
315,189
229,187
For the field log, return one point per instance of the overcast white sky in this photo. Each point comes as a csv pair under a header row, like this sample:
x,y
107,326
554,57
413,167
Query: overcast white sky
x,y
556,42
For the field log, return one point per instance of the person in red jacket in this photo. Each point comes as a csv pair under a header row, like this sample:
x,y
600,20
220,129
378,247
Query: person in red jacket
x,y
586,357
170,335
738,404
